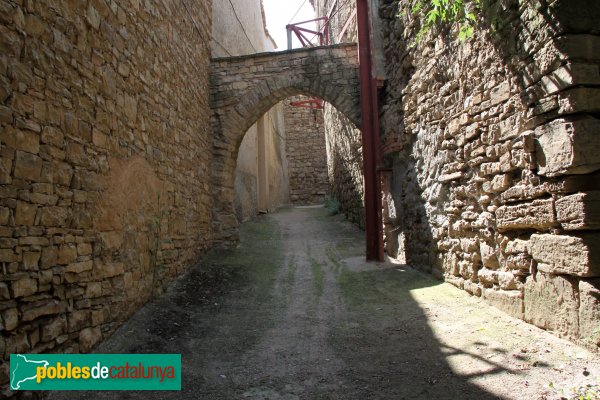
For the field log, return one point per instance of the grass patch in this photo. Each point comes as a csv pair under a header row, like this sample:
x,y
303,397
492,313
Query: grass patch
x,y
318,277
333,205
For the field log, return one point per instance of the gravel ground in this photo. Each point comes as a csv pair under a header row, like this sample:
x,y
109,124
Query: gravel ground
x,y
295,313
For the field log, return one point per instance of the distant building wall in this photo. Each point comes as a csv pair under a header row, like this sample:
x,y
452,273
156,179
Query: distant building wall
x,y
306,154
261,181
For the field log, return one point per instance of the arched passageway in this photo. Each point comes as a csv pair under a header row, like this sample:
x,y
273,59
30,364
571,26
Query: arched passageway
x,y
244,88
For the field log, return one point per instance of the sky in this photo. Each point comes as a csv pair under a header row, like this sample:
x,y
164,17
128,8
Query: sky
x,y
278,14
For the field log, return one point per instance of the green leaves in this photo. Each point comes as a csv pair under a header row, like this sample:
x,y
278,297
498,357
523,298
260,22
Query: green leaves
x,y
438,12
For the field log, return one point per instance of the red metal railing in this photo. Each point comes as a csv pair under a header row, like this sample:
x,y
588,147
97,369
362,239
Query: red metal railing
x,y
301,33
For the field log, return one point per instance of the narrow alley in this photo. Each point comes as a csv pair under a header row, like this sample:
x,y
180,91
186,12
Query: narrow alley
x,y
296,313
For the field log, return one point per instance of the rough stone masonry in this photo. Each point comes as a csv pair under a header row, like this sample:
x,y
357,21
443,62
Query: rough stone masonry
x,y
244,88
104,153
495,149
306,153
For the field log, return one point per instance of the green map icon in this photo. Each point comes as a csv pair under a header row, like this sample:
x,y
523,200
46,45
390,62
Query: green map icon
x,y
23,369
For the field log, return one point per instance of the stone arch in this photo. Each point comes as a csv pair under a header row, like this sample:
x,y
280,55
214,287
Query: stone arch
x,y
245,88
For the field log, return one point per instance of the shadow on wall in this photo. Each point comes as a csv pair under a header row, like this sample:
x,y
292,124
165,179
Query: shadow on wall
x,y
345,164
492,135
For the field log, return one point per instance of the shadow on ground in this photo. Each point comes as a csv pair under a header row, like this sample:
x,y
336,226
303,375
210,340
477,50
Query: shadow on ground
x,y
294,313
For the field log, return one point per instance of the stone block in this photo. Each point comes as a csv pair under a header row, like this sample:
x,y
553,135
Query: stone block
x,y
84,249
99,316
517,246
579,100
93,290
24,287
589,311
78,320
51,308
61,173
67,254
539,214
49,257
88,338
510,302
552,303
130,108
508,281
17,344
521,261
489,255
577,255
500,93
31,260
579,211
53,136
28,166
10,319
4,215
4,292
54,329
55,216
567,76
27,141
580,46
568,146
76,154
103,271
25,213
499,183
80,267
45,277
93,17
8,255
34,26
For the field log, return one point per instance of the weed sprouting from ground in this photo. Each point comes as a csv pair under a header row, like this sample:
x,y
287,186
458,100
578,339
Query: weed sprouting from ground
x,y
318,277
333,205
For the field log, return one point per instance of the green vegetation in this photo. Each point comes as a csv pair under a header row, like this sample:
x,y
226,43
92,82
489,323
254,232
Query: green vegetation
x,y
332,205
318,277
588,392
291,272
439,12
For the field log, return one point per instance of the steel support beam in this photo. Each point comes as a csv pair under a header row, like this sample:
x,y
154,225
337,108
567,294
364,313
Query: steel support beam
x,y
370,135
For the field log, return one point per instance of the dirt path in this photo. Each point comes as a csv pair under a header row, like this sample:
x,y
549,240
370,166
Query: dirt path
x,y
295,313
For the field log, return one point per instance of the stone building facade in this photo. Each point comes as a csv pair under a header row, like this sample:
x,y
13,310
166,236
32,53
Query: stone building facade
x,y
494,146
261,177
105,147
306,153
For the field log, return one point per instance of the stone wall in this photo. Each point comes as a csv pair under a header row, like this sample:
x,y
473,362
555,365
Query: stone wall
x,y
105,158
344,146
495,155
306,154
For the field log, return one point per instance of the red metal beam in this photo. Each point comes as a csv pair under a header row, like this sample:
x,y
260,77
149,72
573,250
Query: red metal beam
x,y
346,26
322,34
314,102
370,136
